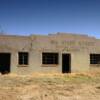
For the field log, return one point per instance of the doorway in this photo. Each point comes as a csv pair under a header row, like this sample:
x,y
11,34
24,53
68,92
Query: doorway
x,y
66,63
5,63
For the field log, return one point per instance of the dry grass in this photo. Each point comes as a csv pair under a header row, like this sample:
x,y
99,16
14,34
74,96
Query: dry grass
x,y
55,86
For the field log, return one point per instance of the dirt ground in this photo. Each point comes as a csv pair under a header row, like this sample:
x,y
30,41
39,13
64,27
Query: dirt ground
x,y
80,86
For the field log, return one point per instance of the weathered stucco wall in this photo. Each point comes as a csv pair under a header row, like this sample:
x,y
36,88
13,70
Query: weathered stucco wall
x,y
79,46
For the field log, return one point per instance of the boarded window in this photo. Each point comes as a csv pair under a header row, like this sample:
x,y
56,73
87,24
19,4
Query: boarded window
x,y
23,58
94,58
49,58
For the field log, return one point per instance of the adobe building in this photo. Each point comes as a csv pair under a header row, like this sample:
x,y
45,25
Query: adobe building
x,y
61,52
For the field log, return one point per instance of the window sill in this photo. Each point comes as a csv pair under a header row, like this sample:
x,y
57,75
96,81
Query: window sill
x,y
49,65
97,65
94,64
22,65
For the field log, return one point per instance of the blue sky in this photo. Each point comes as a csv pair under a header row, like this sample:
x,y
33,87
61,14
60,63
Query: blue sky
x,y
24,17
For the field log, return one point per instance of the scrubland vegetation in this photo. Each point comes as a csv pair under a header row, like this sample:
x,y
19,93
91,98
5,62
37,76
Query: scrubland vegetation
x,y
55,86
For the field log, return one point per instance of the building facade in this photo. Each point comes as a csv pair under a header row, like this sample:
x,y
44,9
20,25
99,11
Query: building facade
x,y
62,53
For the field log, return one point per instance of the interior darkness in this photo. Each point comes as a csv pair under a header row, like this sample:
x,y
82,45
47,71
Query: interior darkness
x,y
5,63
49,58
66,63
94,58
23,58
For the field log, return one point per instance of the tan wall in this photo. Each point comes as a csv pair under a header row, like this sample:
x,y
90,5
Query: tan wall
x,y
80,62
77,45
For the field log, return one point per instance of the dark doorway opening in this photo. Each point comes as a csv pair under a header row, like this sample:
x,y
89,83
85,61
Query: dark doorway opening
x,y
5,63
66,63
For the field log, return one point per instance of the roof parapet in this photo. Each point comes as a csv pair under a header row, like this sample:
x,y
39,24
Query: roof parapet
x,y
72,34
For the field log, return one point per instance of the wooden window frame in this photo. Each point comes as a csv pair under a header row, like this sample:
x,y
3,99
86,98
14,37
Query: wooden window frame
x,y
23,58
50,58
94,59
